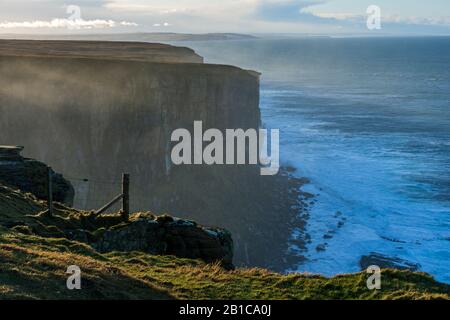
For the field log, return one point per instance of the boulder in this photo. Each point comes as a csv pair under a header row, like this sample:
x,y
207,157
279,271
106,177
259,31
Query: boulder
x,y
169,236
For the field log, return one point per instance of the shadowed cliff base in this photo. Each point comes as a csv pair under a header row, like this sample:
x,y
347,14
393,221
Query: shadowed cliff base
x,y
260,211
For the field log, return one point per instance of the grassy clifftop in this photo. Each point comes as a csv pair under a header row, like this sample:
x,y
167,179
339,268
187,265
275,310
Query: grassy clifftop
x,y
34,268
103,50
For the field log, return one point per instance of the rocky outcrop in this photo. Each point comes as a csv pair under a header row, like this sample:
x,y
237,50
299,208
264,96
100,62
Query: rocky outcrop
x,y
168,236
384,262
144,232
30,175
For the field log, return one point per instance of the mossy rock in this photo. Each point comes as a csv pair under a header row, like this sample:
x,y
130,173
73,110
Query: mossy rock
x,y
165,218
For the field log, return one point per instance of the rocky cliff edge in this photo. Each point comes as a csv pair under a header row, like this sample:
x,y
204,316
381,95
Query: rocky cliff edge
x,y
23,212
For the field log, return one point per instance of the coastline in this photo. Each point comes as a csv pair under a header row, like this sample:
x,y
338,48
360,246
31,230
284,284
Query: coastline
x,y
261,212
289,205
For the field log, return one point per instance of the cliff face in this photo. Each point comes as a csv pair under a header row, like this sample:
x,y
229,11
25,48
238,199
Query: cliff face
x,y
95,119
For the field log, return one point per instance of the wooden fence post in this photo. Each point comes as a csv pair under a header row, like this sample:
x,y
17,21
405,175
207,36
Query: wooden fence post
x,y
126,194
50,190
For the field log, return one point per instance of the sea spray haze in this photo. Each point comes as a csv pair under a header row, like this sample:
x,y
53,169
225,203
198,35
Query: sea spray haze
x,y
368,121
79,116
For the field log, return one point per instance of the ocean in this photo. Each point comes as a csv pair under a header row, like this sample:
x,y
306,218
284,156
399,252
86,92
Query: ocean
x,y
367,120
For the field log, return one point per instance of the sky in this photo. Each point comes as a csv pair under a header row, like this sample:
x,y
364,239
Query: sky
x,y
431,17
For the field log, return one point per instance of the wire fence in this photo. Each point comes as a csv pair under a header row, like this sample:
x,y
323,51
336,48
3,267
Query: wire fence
x,y
93,194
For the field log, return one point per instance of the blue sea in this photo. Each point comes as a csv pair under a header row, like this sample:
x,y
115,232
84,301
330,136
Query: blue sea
x,y
367,120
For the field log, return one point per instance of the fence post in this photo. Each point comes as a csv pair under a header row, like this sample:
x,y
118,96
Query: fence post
x,y
126,194
50,190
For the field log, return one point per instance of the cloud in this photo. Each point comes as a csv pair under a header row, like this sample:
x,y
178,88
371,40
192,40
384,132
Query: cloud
x,y
205,16
287,10
340,16
66,24
303,12
388,19
187,15
165,24
426,21
157,7
128,24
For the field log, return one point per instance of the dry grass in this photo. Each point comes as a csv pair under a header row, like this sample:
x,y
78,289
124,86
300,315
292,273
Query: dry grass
x,y
34,268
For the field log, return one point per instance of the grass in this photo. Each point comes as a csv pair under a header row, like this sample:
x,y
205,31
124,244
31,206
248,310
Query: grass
x,y
34,268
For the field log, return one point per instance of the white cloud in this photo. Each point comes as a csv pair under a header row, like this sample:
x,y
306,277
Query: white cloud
x,y
339,16
66,24
165,24
204,15
180,7
427,21
128,24
407,20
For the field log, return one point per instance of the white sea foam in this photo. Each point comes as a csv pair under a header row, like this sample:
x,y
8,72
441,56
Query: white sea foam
x,y
359,182
368,122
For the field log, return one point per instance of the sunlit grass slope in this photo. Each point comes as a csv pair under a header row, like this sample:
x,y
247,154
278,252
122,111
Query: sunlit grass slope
x,y
35,268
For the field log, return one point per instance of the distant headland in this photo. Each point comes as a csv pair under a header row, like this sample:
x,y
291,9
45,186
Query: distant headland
x,y
140,36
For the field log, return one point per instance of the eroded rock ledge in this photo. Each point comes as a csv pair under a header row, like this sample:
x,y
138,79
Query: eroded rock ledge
x,y
144,232
384,261
165,235
22,208
30,175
